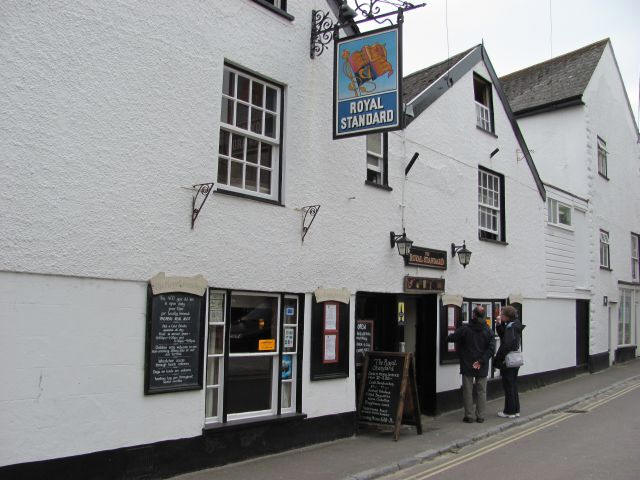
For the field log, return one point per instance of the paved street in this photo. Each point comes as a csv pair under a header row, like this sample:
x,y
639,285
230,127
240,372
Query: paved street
x,y
374,455
595,439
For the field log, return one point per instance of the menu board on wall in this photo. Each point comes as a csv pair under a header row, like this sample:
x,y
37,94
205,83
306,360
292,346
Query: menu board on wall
x,y
388,394
174,342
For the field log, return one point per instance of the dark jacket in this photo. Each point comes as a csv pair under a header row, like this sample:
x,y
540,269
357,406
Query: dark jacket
x,y
474,342
510,337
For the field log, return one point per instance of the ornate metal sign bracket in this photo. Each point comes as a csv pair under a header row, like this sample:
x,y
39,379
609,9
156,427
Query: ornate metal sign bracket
x,y
308,216
202,193
323,28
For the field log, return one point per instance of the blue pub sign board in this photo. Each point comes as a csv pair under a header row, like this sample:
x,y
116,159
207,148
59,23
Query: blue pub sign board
x,y
367,83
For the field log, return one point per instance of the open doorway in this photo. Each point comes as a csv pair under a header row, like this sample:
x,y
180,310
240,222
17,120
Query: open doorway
x,y
419,334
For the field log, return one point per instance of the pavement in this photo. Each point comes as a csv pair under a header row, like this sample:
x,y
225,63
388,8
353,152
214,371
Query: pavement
x,y
373,454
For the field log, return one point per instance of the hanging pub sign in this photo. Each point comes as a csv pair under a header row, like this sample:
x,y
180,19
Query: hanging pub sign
x,y
367,87
426,257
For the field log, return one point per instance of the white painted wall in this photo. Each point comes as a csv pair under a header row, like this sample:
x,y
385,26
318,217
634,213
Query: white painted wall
x,y
565,145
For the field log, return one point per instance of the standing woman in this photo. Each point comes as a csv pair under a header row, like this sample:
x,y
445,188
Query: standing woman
x,y
509,330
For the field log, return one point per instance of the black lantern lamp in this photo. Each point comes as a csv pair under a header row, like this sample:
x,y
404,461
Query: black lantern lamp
x,y
464,255
402,241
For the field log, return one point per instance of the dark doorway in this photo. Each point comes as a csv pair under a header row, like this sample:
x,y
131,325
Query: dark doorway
x,y
582,333
420,333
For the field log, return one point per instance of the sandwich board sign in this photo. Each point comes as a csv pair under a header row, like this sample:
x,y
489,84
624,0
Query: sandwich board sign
x,y
367,85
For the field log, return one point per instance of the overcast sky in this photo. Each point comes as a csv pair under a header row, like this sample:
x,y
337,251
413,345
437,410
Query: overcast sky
x,y
519,33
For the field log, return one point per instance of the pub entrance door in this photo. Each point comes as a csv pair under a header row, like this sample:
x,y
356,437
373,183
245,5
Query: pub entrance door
x,y
418,335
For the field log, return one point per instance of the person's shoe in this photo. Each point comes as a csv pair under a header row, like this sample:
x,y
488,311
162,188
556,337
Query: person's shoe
x,y
517,415
480,420
467,420
505,415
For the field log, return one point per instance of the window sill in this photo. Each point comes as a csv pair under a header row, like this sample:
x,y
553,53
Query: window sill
x,y
276,10
498,242
488,132
254,422
603,176
247,196
561,226
377,185
608,269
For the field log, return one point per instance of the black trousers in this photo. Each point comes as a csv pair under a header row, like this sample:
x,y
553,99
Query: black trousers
x,y
510,386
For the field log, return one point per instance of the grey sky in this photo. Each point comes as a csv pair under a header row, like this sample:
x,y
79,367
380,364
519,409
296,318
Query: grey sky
x,y
518,33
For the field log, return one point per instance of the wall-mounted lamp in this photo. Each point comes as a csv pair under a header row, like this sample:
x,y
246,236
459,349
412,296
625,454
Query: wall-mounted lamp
x,y
464,255
402,241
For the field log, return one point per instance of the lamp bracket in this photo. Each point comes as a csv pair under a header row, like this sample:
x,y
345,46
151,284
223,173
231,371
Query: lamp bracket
x,y
202,193
308,216
324,29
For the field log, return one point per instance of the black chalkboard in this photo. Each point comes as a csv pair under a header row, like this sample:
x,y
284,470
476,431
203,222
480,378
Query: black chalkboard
x,y
364,339
383,393
174,342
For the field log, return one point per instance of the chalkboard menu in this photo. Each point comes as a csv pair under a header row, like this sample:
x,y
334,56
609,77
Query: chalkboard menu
x,y
364,339
174,342
387,375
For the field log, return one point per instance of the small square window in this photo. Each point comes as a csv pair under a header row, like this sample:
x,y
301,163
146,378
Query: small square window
x,y
558,213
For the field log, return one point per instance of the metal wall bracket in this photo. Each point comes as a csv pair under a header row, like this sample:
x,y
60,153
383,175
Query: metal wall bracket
x,y
202,193
323,28
308,216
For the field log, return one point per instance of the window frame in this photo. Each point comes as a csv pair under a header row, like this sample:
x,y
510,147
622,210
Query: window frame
x,y
603,155
486,85
483,232
626,319
635,257
232,131
605,250
553,210
382,156
277,355
278,7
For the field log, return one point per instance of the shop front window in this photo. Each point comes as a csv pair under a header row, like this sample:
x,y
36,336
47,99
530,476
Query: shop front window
x,y
257,364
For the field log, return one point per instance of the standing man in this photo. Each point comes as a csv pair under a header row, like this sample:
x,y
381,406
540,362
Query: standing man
x,y
475,346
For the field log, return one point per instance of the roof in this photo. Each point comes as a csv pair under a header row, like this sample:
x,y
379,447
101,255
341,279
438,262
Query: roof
x,y
558,82
422,88
415,83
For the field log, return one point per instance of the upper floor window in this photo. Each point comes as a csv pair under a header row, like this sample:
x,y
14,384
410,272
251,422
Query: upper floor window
x,y
277,6
377,159
602,157
250,136
635,257
558,213
484,103
604,249
490,205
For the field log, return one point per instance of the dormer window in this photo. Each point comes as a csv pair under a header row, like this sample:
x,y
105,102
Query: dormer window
x,y
484,103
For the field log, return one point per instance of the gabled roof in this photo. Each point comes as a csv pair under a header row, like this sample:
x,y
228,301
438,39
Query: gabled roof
x,y
555,83
422,88
415,83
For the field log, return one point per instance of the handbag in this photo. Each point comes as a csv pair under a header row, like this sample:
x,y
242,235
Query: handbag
x,y
514,359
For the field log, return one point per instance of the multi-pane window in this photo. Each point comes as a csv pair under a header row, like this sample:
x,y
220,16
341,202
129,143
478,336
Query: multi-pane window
x,y
602,157
604,249
249,144
258,362
376,161
281,4
558,213
625,316
490,193
484,103
635,257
